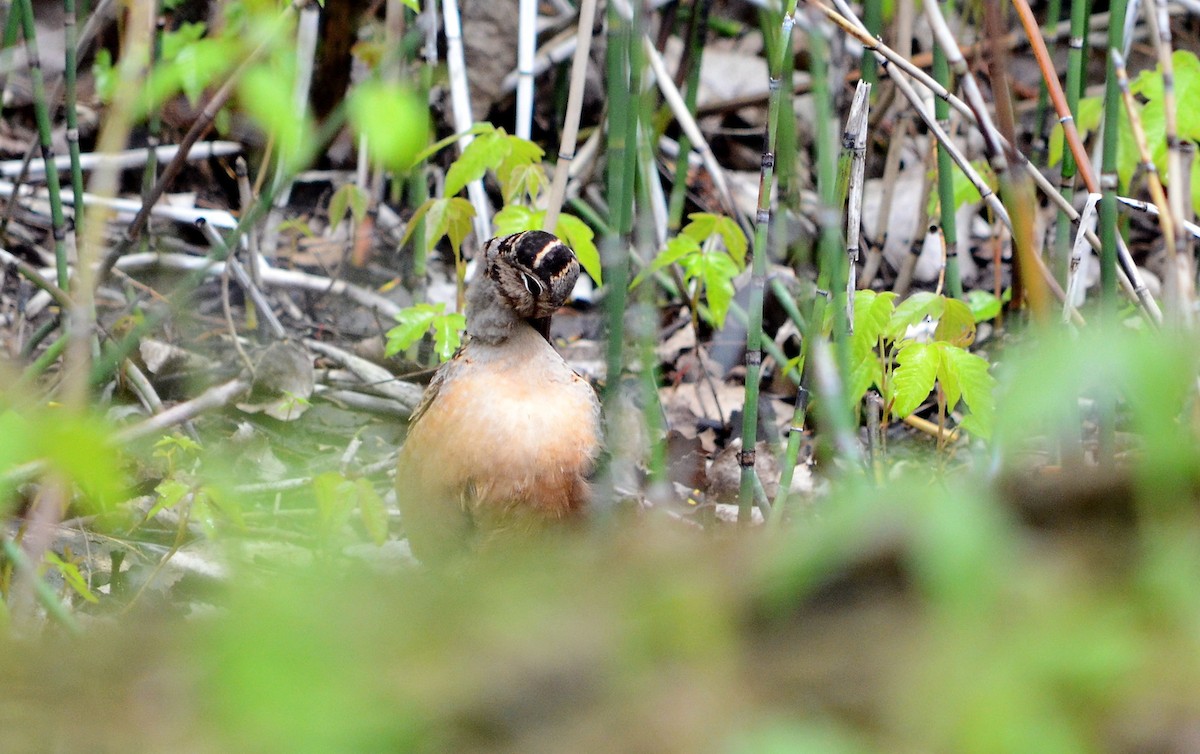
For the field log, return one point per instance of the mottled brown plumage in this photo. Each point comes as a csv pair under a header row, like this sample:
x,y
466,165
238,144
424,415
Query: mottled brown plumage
x,y
507,433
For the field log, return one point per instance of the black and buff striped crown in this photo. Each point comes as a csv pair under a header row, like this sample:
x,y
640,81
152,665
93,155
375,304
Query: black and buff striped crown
x,y
534,271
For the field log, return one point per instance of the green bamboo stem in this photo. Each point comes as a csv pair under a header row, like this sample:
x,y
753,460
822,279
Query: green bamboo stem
x,y
1074,89
693,56
71,27
758,276
621,133
828,365
42,113
1108,176
945,166
873,19
12,28
1050,32
154,121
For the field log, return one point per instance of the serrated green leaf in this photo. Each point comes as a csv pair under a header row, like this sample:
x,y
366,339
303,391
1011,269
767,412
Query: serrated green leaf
x,y
717,272
170,492
956,325
449,217
522,181
703,225
372,510
579,236
71,576
447,334
872,312
913,379
978,389
414,321
483,153
864,372
515,218
700,227
912,310
984,305
520,157
947,375
349,197
335,499
676,250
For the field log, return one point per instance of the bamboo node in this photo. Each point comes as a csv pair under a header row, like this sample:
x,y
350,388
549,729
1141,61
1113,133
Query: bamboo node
x,y
754,358
746,459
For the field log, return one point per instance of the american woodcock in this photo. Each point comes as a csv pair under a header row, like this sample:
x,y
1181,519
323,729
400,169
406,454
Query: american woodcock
x,y
507,433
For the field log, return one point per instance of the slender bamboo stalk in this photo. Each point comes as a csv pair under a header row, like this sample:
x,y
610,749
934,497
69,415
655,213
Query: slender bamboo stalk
x,y
154,121
70,23
460,104
1184,283
827,363
42,112
527,13
948,210
1108,176
566,150
697,31
623,74
1074,90
855,140
1049,30
758,275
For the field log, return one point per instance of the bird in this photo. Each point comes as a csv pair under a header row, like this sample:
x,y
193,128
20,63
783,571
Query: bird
x,y
506,434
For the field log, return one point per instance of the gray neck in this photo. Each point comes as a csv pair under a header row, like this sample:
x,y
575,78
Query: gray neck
x,y
489,318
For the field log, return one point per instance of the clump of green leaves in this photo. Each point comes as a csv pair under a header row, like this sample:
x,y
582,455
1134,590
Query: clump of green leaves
x,y
1149,87
906,371
415,321
711,251
516,164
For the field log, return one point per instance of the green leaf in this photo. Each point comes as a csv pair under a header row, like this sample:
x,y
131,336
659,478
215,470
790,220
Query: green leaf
x,y
414,321
956,325
947,375
522,159
872,312
335,502
1086,121
677,249
912,310
717,271
372,510
515,218
579,237
170,493
483,153
266,94
914,377
443,217
415,5
72,576
105,75
978,390
447,334
394,120
704,225
984,304
350,196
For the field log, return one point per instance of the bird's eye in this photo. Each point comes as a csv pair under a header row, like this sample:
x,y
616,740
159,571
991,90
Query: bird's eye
x,y
531,284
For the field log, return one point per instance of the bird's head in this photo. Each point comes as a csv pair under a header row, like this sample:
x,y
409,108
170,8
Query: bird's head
x,y
533,272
